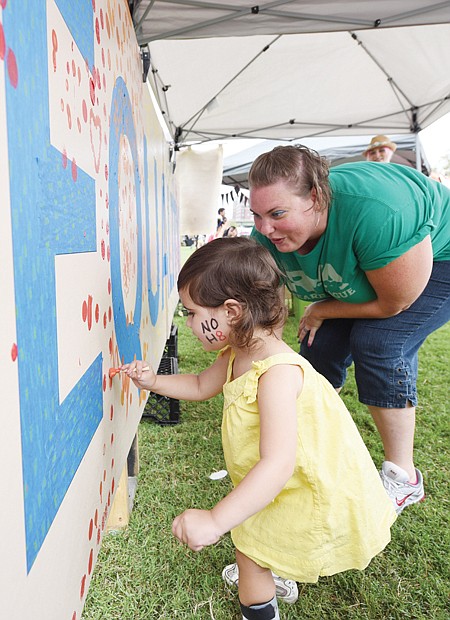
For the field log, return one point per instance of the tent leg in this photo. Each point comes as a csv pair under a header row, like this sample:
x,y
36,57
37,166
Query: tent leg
x,y
418,154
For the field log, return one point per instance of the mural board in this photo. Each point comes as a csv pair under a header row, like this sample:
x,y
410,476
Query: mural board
x,y
88,264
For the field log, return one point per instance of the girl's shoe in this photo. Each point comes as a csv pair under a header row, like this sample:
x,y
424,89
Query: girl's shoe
x,y
286,589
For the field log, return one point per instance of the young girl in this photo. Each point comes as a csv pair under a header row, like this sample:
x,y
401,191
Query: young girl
x,y
307,498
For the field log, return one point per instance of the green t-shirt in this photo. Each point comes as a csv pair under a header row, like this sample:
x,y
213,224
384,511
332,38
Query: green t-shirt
x,y
377,213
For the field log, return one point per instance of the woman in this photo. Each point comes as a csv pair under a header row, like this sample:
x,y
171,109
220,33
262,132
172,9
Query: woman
x,y
369,246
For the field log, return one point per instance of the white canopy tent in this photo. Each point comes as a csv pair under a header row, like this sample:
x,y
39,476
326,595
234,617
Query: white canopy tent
x,y
288,70
337,150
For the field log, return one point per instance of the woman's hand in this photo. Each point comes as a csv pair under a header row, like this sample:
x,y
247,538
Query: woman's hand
x,y
196,529
309,323
141,373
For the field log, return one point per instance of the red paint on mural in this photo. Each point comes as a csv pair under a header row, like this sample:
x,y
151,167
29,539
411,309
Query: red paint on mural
x,y
14,352
2,43
13,72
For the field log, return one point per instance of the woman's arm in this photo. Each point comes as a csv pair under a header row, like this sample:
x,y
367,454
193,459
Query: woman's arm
x,y
205,385
397,286
278,446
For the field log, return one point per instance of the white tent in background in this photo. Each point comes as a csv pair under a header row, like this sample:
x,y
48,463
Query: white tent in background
x,y
337,150
288,70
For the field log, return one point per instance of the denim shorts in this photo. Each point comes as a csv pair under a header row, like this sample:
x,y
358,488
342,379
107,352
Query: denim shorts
x,y
384,351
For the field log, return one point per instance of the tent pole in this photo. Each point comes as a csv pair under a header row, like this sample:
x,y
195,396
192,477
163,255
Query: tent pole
x,y
418,153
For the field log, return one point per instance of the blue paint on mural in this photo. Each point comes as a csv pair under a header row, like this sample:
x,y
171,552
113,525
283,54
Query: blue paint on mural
x,y
153,298
51,214
79,20
54,214
127,333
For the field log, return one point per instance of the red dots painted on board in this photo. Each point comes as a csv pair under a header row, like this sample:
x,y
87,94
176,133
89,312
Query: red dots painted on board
x,y
69,118
97,30
106,171
105,320
64,158
92,90
74,170
113,484
96,517
74,68
91,561
110,313
112,438
109,286
108,253
13,72
84,311
111,413
110,343
103,248
104,383
89,313
91,529
84,109
83,586
55,49
14,352
2,43
74,615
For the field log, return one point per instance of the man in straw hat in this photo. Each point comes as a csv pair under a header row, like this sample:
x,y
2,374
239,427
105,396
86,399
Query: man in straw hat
x,y
380,149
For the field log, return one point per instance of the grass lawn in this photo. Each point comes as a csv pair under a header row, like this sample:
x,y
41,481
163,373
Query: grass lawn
x,y
143,573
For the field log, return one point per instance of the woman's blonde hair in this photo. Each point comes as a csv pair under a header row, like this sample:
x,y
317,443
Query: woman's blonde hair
x,y
300,167
237,268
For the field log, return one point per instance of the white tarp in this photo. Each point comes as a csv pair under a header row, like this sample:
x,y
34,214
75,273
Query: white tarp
x,y
288,70
337,151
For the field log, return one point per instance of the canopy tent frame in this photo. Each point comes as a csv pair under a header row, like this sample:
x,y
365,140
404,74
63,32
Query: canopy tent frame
x,y
141,15
173,22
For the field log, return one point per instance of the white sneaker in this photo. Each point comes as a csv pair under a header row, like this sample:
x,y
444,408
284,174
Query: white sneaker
x,y
286,589
400,490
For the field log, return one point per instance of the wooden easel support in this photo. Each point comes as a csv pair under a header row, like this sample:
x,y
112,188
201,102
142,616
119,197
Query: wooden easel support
x,y
119,517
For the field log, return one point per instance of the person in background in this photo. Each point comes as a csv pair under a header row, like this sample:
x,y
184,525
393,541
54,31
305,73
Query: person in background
x,y
232,231
380,149
221,219
307,499
221,229
369,246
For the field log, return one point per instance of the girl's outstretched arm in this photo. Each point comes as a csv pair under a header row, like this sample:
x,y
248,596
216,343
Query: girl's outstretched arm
x,y
205,385
278,447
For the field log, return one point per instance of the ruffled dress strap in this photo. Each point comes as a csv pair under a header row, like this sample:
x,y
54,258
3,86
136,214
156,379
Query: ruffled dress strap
x,y
250,391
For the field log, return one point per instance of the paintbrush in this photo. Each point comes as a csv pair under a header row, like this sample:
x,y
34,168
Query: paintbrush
x,y
114,371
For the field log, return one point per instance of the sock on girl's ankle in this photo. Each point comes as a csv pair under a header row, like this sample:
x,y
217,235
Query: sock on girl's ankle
x,y
261,611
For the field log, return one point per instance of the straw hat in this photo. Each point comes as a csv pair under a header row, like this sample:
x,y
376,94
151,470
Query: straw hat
x,y
378,141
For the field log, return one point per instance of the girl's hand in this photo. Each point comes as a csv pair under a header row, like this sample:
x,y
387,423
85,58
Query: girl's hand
x,y
309,323
141,373
196,529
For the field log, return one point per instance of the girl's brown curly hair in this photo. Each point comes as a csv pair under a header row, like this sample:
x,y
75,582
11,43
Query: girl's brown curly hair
x,y
237,268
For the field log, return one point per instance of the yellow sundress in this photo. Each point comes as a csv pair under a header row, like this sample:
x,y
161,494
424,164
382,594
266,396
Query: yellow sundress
x,y
333,514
